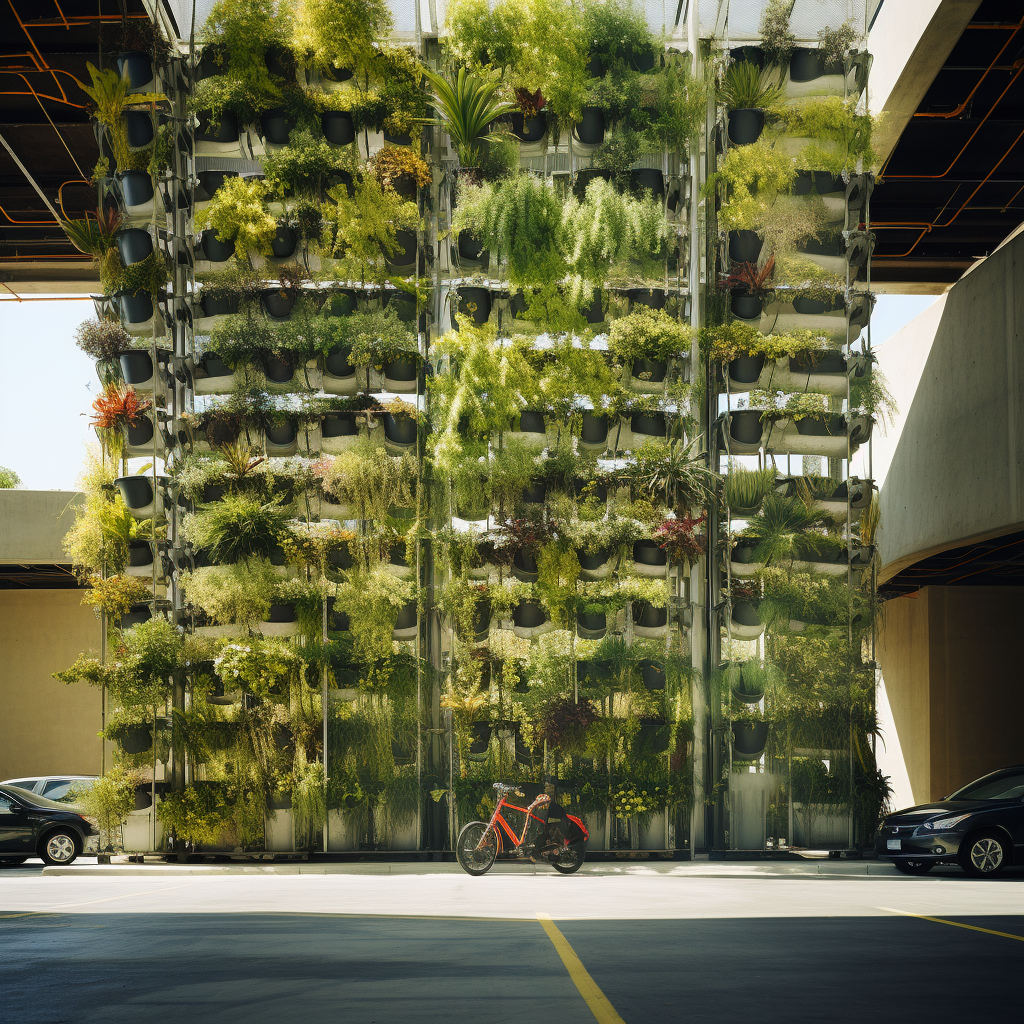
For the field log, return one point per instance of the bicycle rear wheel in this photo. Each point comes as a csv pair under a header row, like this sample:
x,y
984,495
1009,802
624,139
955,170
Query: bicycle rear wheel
x,y
476,848
569,859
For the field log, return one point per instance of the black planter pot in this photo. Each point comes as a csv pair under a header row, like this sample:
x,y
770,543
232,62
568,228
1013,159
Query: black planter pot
x,y
404,306
806,64
482,619
651,371
585,176
405,139
828,245
748,55
282,433
589,623
278,303
338,621
746,693
211,181
213,492
403,370
210,64
529,129
744,246
475,303
139,433
281,613
745,306
480,738
746,426
590,130
400,428
653,298
647,616
593,489
652,424
743,552
746,369
277,556
136,188
405,187
136,367
827,362
535,493
594,312
406,617
832,425
280,62
470,249
137,67
653,675
340,557
336,362
222,431
745,125
405,254
226,305
284,242
226,131
531,421
339,424
342,303
817,182
338,128
336,74
138,127
137,614
529,615
647,179
524,564
595,428
653,736
647,552
815,307
745,614
136,307
214,249
214,366
140,553
749,739
218,697
280,369
276,126
136,739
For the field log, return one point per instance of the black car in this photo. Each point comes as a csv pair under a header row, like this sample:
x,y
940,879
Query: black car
x,y
31,825
979,827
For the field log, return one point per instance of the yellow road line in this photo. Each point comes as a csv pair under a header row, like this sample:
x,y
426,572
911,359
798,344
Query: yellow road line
x,y
603,1011
954,924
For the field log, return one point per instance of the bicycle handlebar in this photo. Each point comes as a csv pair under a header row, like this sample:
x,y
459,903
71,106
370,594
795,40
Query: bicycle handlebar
x,y
504,788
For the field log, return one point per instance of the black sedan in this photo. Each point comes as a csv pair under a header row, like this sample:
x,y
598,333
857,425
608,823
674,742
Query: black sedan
x,y
31,825
979,827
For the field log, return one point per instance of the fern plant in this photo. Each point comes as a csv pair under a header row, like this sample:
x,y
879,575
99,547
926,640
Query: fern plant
x,y
109,92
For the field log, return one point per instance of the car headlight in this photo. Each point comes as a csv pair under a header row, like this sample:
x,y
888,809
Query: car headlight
x,y
945,824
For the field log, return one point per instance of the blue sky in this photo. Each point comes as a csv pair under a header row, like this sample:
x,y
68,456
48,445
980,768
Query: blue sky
x,y
48,385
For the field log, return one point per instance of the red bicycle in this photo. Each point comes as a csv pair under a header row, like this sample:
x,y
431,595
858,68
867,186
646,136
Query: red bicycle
x,y
561,839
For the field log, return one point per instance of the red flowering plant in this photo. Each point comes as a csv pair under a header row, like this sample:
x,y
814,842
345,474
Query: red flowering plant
x,y
564,722
680,540
118,406
530,103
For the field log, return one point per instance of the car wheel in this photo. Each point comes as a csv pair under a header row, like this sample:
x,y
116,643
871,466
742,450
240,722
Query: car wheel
x,y
59,847
914,867
984,854
12,862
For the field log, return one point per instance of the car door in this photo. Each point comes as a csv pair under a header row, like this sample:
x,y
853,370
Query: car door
x,y
16,829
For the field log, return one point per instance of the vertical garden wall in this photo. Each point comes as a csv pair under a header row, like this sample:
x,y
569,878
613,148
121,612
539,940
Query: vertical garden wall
x,y
452,387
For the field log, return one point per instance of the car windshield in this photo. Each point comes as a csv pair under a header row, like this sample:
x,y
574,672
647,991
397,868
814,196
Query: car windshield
x,y
998,786
22,797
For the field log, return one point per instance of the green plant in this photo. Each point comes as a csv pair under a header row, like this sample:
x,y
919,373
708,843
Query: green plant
x,y
730,340
110,800
391,163
237,213
96,236
262,666
370,480
373,598
239,526
777,39
784,527
835,42
681,109
869,393
753,176
109,92
340,34
239,593
648,334
115,595
8,478
841,137
746,488
615,30
618,152
309,802
193,815
102,338
466,107
747,86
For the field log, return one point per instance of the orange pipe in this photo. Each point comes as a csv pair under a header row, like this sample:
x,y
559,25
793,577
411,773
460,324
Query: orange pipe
x,y
963,106
61,13
49,220
1019,65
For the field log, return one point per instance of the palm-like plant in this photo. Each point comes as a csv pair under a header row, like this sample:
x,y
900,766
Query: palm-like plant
x,y
109,92
785,525
681,475
94,235
747,86
466,108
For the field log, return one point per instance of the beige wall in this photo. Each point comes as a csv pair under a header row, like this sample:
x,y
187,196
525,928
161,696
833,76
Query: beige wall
x,y
46,728
949,657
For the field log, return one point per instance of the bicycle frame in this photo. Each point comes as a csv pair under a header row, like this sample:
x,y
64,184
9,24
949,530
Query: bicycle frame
x,y
498,819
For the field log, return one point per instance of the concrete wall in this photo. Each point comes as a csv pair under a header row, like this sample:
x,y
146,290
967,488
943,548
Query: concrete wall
x,y
33,524
46,727
951,468
950,657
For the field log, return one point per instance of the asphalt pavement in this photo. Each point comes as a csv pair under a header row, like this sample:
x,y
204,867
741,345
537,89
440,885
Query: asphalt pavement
x,y
639,946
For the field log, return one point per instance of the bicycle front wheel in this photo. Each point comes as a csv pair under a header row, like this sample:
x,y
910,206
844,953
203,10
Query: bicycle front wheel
x,y
476,848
